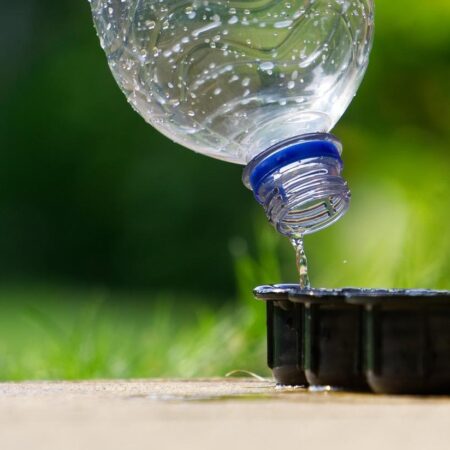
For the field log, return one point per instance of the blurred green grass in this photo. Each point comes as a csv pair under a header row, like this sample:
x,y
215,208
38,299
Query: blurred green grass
x,y
82,204
93,195
73,334
63,333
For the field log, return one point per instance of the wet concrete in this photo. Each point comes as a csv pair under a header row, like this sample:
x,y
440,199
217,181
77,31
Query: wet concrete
x,y
213,414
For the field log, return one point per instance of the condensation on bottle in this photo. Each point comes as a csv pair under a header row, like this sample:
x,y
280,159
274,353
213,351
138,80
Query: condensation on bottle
x,y
230,79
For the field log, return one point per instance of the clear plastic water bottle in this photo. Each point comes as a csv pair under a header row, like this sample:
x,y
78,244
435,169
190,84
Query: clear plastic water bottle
x,y
258,83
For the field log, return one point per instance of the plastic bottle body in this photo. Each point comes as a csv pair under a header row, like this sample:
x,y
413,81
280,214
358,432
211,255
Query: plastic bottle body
x,y
231,79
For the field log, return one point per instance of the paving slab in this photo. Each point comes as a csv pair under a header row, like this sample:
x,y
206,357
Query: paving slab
x,y
213,414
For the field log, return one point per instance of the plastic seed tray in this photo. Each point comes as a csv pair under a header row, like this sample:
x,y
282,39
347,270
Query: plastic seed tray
x,y
386,341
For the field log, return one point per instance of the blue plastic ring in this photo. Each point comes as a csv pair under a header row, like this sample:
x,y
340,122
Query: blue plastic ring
x,y
289,155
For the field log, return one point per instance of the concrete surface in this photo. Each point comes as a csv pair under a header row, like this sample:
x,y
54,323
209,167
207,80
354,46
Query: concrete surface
x,y
213,415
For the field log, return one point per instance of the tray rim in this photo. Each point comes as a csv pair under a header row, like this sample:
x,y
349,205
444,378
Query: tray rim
x,y
353,296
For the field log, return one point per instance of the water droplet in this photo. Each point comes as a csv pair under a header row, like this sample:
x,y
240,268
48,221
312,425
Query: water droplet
x,y
190,12
268,65
283,24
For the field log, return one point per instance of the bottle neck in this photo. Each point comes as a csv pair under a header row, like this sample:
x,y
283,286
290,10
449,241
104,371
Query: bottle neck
x,y
299,184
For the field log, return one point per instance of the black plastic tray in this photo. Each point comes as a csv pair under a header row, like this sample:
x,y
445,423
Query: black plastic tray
x,y
387,341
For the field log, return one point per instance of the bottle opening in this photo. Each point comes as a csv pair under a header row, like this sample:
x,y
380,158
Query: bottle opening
x,y
299,183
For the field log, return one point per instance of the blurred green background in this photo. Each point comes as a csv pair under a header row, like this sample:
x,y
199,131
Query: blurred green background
x,y
123,254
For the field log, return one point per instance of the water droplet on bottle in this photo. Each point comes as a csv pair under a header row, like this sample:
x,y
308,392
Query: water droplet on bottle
x,y
190,12
268,65
283,24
